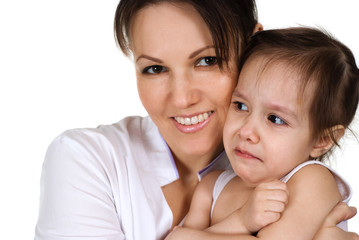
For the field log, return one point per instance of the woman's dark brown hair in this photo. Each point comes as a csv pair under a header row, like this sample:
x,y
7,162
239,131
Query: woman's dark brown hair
x,y
319,59
231,23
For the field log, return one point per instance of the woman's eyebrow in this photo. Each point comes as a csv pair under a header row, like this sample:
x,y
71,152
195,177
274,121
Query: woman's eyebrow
x,y
157,60
195,53
192,55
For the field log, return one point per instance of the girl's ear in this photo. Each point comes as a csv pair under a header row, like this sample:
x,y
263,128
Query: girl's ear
x,y
325,142
258,27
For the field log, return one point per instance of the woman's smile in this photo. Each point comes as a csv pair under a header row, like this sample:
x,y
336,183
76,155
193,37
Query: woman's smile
x,y
194,123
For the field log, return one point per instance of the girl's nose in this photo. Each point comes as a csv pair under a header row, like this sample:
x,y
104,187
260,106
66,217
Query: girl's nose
x,y
248,131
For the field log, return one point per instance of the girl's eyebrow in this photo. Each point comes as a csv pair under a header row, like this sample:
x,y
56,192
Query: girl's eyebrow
x,y
283,109
271,106
237,93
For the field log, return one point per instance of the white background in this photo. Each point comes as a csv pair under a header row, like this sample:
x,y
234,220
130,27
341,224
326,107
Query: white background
x,y
60,69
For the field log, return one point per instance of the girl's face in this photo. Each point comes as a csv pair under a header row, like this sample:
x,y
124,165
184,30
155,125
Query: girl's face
x,y
178,79
267,132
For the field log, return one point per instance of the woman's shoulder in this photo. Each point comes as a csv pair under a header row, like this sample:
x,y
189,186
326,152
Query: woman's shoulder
x,y
121,132
126,126
100,144
133,142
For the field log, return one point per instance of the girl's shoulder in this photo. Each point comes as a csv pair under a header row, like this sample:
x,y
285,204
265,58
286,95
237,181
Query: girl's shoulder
x,y
315,173
314,180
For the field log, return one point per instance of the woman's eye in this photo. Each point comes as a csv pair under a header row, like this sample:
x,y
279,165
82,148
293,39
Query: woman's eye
x,y
155,69
241,106
207,61
276,120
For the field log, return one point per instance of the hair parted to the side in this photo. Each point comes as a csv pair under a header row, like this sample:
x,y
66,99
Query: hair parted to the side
x,y
320,59
231,23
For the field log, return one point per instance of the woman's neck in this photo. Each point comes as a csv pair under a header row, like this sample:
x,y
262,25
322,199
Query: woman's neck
x,y
188,165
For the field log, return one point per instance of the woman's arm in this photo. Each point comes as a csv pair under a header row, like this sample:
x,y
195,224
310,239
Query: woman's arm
x,y
329,230
263,207
181,233
76,200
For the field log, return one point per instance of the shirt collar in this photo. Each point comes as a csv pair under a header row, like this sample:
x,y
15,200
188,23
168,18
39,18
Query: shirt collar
x,y
221,162
162,161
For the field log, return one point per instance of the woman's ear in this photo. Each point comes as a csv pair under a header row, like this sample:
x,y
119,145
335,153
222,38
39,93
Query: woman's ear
x,y
258,27
325,142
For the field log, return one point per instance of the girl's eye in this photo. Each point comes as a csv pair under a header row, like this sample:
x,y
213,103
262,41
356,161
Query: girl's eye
x,y
155,69
276,120
207,61
241,106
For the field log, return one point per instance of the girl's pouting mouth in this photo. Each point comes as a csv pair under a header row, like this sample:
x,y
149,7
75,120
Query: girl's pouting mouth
x,y
246,155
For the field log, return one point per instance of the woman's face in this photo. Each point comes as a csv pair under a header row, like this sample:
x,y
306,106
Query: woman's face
x,y
178,79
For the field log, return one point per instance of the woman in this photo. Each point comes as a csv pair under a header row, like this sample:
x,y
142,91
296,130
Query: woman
x,y
135,179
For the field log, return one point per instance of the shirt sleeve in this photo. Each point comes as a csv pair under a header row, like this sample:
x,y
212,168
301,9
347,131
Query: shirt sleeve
x,y
76,199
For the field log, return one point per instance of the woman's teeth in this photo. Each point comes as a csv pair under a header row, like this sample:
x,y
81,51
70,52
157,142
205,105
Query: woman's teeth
x,y
193,120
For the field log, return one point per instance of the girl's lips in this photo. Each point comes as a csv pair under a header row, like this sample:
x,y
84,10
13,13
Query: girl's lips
x,y
192,124
246,155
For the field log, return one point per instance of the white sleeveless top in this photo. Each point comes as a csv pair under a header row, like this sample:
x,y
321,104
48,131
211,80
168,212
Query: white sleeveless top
x,y
343,186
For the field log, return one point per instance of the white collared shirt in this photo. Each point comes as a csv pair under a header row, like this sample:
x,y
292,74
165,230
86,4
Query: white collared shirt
x,y
105,183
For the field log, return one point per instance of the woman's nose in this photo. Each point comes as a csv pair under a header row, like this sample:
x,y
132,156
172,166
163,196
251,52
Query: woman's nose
x,y
185,91
248,131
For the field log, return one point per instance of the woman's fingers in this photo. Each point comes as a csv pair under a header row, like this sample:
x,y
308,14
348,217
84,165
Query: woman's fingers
x,y
329,230
341,212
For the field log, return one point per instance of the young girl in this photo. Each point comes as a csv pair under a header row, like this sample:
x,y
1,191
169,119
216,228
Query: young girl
x,y
297,93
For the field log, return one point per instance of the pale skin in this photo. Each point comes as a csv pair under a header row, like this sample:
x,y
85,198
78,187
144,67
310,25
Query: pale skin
x,y
176,77
182,88
267,134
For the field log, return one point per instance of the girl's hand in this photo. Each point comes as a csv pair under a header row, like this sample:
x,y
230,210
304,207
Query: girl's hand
x,y
265,205
329,230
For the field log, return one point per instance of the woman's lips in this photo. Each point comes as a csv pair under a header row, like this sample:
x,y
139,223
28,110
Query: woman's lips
x,y
192,124
194,119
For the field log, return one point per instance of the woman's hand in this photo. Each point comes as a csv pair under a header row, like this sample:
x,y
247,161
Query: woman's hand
x,y
329,230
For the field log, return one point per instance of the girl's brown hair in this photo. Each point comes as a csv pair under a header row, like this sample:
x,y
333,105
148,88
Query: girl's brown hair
x,y
320,59
231,23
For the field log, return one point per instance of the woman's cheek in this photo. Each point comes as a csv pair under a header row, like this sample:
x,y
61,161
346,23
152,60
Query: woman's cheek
x,y
150,91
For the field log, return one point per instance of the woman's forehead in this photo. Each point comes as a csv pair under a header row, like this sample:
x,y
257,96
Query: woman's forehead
x,y
162,24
